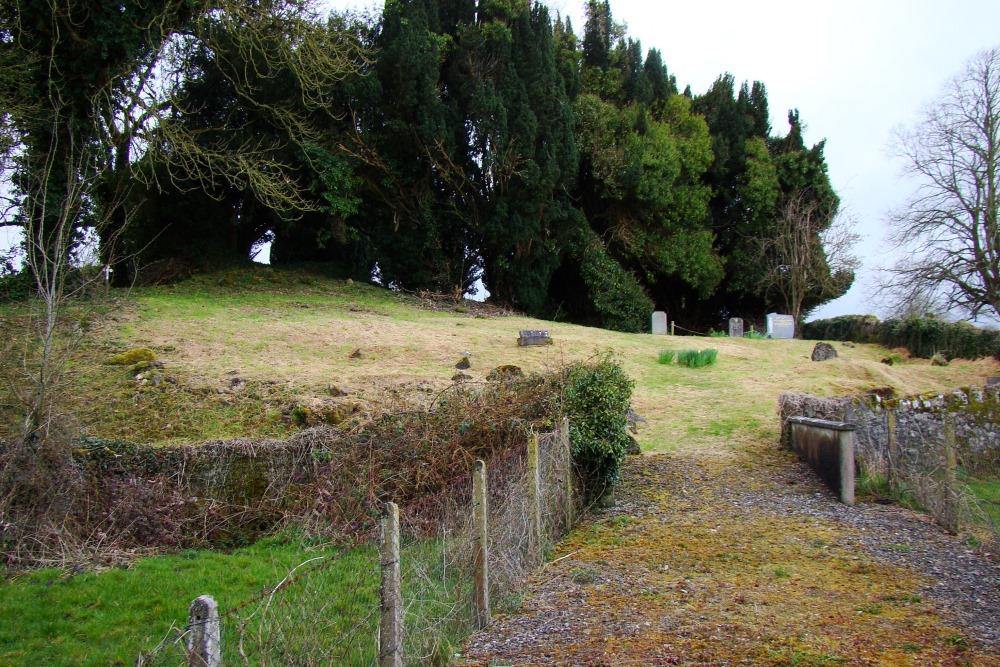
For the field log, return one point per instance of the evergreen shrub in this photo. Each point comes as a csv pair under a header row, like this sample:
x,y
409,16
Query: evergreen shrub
x,y
597,398
922,336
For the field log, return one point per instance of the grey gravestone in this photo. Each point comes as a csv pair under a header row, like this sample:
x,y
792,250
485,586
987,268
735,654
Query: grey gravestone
x,y
533,337
780,326
992,380
823,352
660,323
736,327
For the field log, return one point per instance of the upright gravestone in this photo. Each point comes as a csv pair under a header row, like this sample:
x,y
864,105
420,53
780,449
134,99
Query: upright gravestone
x,y
992,381
780,326
736,327
660,323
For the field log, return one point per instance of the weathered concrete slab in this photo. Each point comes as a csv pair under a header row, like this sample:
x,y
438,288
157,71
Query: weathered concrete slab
x,y
828,448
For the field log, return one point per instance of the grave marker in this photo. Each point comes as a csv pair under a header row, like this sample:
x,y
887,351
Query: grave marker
x,y
659,323
736,327
780,326
533,337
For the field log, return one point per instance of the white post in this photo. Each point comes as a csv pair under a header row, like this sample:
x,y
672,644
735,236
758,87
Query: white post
x,y
204,633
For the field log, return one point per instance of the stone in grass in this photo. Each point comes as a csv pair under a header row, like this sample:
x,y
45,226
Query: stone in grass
x,y
633,449
356,354
823,352
337,391
132,357
939,360
460,377
505,373
463,364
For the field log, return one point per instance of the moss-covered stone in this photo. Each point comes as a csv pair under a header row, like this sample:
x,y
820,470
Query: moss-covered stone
x,y
132,357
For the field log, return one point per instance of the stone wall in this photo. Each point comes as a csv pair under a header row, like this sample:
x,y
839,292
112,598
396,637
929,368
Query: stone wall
x,y
917,422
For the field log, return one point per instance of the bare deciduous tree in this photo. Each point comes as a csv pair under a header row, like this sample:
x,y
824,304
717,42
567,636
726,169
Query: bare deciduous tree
x,y
808,258
948,227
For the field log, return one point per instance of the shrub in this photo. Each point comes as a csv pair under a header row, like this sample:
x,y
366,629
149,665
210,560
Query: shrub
x,y
617,295
697,359
922,336
597,398
667,356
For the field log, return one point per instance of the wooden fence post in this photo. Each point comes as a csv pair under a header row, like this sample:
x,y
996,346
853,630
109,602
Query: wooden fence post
x,y
390,645
480,562
204,642
950,476
890,473
568,454
534,496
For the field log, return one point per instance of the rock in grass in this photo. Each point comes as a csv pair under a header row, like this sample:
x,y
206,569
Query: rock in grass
x,y
463,364
939,360
823,352
505,373
132,357
460,377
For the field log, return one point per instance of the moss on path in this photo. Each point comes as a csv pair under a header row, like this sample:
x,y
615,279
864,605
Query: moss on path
x,y
729,556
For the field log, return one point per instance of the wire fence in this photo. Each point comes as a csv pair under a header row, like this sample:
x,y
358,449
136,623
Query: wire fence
x,y
334,609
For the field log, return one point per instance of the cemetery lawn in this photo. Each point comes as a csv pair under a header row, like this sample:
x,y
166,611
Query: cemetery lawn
x,y
243,351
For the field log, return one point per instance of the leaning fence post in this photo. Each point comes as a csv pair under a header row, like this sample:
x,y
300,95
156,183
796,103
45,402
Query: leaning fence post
x,y
950,476
204,633
534,496
568,454
480,558
390,647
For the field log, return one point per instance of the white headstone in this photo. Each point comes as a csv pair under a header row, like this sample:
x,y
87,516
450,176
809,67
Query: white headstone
x,y
736,327
660,323
780,326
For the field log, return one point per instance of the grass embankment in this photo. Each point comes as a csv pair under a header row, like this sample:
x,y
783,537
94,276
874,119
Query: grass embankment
x,y
241,351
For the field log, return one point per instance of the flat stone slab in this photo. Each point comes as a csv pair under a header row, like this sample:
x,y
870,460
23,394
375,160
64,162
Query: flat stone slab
x,y
534,337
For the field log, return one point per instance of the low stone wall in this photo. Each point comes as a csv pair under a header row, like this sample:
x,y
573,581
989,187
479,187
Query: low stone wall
x,y
828,448
900,430
239,472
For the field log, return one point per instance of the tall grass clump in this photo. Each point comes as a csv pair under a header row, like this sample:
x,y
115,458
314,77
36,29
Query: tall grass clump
x,y
667,356
697,358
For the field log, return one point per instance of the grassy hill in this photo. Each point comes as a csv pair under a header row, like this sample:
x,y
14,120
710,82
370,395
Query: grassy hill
x,y
261,352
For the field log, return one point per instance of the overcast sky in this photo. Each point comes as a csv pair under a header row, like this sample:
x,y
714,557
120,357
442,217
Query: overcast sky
x,y
855,69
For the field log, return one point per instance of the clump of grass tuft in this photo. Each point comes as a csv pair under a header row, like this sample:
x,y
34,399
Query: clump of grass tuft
x,y
696,358
667,356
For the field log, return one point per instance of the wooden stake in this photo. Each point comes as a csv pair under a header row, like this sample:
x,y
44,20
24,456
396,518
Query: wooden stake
x,y
480,562
390,649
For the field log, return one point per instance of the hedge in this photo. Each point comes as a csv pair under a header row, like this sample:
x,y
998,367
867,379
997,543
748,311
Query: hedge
x,y
922,336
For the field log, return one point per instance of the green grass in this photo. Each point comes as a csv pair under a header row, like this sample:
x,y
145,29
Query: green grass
x,y
667,356
697,358
987,492
50,617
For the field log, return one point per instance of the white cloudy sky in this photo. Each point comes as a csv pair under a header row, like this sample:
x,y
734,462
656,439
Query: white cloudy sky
x,y
854,69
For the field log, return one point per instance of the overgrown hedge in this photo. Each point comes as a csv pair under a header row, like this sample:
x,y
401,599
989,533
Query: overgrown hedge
x,y
922,336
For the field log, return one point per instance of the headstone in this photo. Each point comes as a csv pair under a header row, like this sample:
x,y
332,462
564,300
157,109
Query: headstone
x,y
533,337
992,380
780,326
659,323
736,327
823,352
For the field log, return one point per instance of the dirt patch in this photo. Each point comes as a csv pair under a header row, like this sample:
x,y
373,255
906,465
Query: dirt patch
x,y
746,559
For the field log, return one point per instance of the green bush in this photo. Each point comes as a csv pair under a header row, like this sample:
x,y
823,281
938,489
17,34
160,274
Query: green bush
x,y
16,286
922,336
696,358
597,398
617,295
667,356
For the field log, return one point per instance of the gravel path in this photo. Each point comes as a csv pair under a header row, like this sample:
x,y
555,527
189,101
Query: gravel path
x,y
741,557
